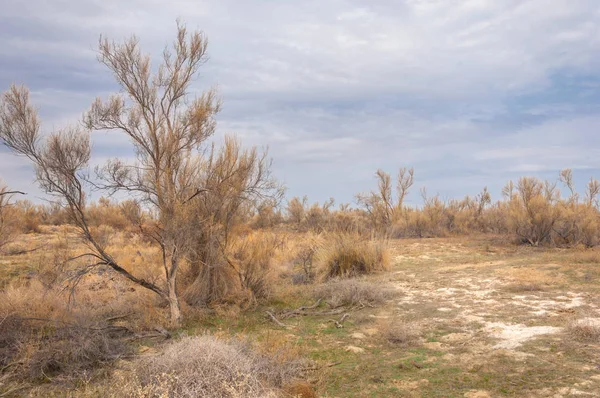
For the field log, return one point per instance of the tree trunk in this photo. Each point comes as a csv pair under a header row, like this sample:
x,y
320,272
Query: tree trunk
x,y
174,301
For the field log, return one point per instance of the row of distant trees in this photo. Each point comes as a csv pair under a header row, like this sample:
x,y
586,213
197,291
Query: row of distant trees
x,y
532,210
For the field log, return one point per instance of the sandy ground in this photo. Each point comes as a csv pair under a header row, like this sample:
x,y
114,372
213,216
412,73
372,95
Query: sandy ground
x,y
490,318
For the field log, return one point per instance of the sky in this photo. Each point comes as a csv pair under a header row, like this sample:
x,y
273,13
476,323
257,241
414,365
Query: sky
x,y
470,93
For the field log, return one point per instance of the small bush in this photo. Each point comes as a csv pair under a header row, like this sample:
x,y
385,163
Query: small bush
x,y
253,255
524,287
352,292
42,350
204,366
304,260
400,332
73,349
348,255
586,329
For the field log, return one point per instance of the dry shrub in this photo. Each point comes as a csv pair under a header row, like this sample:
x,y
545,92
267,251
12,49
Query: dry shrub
x,y
215,282
591,256
300,389
399,332
107,213
524,287
29,216
304,260
252,255
240,274
585,329
578,224
204,366
352,292
348,255
42,339
73,349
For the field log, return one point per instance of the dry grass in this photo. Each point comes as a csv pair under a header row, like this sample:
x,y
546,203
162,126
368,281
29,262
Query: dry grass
x,y
585,329
400,332
524,287
253,255
348,255
534,276
352,292
204,366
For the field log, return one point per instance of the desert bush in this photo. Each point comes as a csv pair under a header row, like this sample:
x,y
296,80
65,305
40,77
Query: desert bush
x,y
347,255
304,260
119,216
204,366
400,332
577,224
352,292
316,218
40,349
382,207
585,329
70,350
252,256
532,213
296,211
42,338
235,274
267,215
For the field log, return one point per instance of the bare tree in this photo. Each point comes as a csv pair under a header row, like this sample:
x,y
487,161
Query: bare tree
x,y
592,191
380,204
169,132
406,179
566,178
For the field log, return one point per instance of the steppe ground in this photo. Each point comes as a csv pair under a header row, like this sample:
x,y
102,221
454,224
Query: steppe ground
x,y
463,317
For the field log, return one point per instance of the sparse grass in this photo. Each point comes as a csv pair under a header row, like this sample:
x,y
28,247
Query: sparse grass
x,y
394,317
585,329
524,287
352,292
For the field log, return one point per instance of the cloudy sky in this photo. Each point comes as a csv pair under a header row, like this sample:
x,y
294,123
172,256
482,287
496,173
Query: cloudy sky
x,y
471,93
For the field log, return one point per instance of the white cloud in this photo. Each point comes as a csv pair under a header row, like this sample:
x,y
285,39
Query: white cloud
x,y
340,88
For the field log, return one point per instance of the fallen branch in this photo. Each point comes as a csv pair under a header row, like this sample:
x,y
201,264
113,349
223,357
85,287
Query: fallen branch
x,y
294,313
300,310
163,332
24,251
117,317
339,324
274,319
329,365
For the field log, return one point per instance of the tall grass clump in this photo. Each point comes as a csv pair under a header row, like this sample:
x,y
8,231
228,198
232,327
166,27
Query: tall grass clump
x,y
346,255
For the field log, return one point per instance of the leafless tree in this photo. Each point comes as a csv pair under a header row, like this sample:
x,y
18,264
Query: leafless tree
x,y
380,204
174,166
592,192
